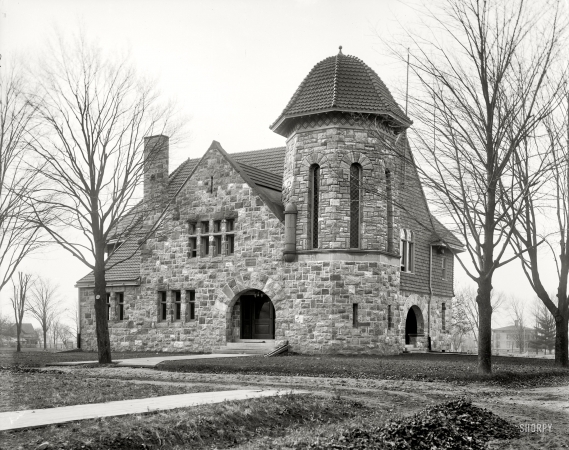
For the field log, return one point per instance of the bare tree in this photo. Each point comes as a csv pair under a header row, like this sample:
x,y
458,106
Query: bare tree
x,y
95,112
18,299
516,309
43,305
551,149
465,303
483,88
19,235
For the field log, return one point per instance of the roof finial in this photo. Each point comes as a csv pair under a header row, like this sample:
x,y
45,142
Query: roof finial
x,y
340,52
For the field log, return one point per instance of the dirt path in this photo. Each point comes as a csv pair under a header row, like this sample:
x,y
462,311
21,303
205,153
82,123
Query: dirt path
x,y
526,408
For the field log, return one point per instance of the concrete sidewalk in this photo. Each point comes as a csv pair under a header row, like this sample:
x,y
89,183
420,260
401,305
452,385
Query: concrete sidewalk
x,y
41,417
153,361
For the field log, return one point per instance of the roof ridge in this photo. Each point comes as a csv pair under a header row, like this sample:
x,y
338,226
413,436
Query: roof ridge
x,y
335,82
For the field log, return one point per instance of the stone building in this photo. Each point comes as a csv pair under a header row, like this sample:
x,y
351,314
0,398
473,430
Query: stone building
x,y
326,243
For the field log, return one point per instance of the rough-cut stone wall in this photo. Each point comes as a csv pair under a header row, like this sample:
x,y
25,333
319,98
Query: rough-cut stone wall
x,y
121,331
335,143
440,339
218,280
319,314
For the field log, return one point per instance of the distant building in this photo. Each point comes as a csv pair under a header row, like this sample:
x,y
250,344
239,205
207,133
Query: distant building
x,y
28,336
509,339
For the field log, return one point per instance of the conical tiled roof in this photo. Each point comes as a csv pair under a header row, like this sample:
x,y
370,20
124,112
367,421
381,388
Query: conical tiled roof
x,y
341,83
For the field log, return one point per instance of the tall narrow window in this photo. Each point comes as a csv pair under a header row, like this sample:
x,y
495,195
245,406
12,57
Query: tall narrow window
x,y
193,242
211,185
443,315
389,318
314,193
355,315
177,305
108,306
191,307
355,181
444,268
162,305
389,195
229,236
204,241
407,250
120,299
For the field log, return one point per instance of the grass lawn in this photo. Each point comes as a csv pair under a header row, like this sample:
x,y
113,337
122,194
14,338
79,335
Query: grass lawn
x,y
38,358
211,426
34,390
417,366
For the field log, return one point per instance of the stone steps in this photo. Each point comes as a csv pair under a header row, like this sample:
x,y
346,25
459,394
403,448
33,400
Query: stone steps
x,y
247,346
413,349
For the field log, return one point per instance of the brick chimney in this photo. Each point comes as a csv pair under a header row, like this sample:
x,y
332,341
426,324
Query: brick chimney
x,y
156,159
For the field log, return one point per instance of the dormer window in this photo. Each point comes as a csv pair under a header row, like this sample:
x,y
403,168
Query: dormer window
x,y
111,247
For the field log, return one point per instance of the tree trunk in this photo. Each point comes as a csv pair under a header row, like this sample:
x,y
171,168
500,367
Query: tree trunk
x,y
18,331
44,339
484,326
102,327
561,341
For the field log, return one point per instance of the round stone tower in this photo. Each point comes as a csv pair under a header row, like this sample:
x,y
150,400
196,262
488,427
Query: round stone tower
x,y
342,266
340,126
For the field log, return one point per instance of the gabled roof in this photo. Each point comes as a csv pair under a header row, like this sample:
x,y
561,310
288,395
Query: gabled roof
x,y
444,235
124,265
342,83
27,329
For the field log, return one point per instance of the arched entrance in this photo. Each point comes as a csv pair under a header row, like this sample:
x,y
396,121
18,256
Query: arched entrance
x,y
413,325
257,315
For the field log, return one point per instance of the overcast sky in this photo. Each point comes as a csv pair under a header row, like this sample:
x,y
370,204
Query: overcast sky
x,y
231,66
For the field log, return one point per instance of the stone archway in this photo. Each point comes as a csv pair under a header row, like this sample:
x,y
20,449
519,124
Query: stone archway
x,y
253,316
414,325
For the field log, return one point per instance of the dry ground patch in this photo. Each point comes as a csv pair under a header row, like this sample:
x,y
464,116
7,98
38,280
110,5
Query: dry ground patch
x,y
348,393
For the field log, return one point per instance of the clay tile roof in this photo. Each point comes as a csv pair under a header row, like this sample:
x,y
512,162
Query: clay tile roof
x,y
342,83
269,159
263,178
125,271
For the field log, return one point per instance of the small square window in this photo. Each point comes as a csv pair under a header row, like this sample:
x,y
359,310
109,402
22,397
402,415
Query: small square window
x,y
192,228
205,227
229,225
217,226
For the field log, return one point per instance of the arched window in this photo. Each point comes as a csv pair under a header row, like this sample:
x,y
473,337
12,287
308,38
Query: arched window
x,y
389,195
314,203
407,251
355,182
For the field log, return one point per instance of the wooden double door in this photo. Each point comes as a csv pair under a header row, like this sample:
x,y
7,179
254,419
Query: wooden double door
x,y
257,317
